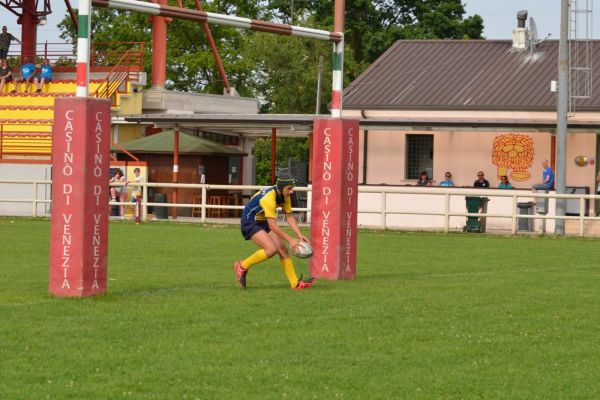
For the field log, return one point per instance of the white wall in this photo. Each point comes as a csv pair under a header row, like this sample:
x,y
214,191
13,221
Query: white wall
x,y
430,200
24,191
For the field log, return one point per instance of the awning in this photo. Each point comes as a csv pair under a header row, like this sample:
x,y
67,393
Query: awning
x,y
162,142
301,125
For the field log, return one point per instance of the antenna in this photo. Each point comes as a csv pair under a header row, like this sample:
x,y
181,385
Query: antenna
x,y
533,29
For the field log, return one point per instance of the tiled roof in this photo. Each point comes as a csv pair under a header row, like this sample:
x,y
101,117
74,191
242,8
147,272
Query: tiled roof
x,y
464,75
188,144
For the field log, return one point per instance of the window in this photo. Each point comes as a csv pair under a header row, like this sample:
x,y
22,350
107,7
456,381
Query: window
x,y
419,155
227,140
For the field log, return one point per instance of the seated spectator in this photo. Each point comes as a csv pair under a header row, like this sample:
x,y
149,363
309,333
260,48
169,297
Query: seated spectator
x,y
27,74
481,182
547,178
448,180
424,179
5,75
44,76
504,183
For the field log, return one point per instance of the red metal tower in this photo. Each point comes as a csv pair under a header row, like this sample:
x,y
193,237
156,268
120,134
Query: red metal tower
x,y
30,13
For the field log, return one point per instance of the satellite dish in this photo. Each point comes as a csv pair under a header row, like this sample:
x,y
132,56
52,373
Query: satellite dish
x,y
533,29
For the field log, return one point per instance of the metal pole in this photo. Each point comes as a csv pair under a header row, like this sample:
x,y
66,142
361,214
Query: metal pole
x,y
219,19
215,52
83,48
159,50
175,168
319,78
337,81
273,154
29,22
561,115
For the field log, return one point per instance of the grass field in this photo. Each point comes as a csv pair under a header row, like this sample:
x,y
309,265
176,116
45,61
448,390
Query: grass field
x,y
429,316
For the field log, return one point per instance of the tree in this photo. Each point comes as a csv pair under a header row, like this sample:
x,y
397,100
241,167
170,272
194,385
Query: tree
x,y
294,148
371,26
261,65
282,71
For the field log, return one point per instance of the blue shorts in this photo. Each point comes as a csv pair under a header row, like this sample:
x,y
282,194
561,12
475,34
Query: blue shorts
x,y
249,228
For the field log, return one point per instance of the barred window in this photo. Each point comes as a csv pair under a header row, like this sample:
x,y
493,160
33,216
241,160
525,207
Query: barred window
x,y
419,155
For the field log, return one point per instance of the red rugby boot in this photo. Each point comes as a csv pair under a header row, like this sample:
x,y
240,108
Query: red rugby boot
x,y
304,284
240,273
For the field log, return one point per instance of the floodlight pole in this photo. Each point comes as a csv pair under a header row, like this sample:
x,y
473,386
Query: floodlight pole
x,y
561,116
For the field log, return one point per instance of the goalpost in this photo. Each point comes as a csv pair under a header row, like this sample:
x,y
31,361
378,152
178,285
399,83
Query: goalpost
x,y
80,164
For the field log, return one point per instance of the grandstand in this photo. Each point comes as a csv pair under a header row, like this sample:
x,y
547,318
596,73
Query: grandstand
x,y
26,119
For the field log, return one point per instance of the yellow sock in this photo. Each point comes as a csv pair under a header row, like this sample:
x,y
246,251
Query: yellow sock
x,y
288,268
258,257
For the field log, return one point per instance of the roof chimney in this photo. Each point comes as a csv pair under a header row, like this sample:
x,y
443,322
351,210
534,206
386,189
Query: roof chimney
x,y
520,32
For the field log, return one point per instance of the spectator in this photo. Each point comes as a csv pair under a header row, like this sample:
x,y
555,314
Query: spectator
x,y
504,183
424,179
5,75
44,76
448,180
5,39
481,182
598,193
119,192
27,74
547,178
136,189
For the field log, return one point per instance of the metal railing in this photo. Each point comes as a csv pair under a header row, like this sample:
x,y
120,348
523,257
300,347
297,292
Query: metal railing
x,y
383,205
102,54
203,205
21,197
447,194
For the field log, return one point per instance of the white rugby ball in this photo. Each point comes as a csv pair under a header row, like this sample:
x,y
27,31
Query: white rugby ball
x,y
304,250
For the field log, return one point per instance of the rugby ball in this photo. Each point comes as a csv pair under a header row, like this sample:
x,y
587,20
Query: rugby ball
x,y
304,250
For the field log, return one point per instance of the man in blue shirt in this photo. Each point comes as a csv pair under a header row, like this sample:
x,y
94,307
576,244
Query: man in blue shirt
x,y
27,74
44,76
547,178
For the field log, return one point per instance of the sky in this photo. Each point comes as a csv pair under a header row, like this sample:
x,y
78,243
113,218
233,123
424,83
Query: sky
x,y
499,17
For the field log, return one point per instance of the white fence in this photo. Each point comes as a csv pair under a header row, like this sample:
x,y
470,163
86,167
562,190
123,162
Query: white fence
x,y
379,207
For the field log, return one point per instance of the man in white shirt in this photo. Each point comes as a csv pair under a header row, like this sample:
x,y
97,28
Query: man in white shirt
x,y
136,188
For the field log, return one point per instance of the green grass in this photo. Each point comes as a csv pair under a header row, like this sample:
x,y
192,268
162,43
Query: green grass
x,y
459,316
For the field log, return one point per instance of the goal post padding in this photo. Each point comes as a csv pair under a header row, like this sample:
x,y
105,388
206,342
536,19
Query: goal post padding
x,y
80,193
334,198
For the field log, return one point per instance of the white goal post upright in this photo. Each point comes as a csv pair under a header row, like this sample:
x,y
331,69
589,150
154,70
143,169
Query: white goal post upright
x,y
79,221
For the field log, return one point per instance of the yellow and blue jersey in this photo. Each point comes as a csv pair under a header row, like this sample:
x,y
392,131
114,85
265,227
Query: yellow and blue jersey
x,y
264,204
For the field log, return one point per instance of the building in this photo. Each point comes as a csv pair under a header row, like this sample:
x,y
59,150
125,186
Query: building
x,y
470,105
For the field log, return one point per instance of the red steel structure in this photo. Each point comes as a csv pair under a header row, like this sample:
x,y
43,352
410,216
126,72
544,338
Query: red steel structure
x,y
29,17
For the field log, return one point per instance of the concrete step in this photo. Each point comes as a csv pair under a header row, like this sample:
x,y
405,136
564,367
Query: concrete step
x,y
30,100
28,112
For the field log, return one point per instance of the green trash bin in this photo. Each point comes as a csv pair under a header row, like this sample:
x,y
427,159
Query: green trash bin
x,y
476,205
160,212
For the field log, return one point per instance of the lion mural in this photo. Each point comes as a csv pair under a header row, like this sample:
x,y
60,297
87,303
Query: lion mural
x,y
513,152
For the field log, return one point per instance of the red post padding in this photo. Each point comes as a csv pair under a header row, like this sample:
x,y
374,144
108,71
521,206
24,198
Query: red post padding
x,y
334,198
80,193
